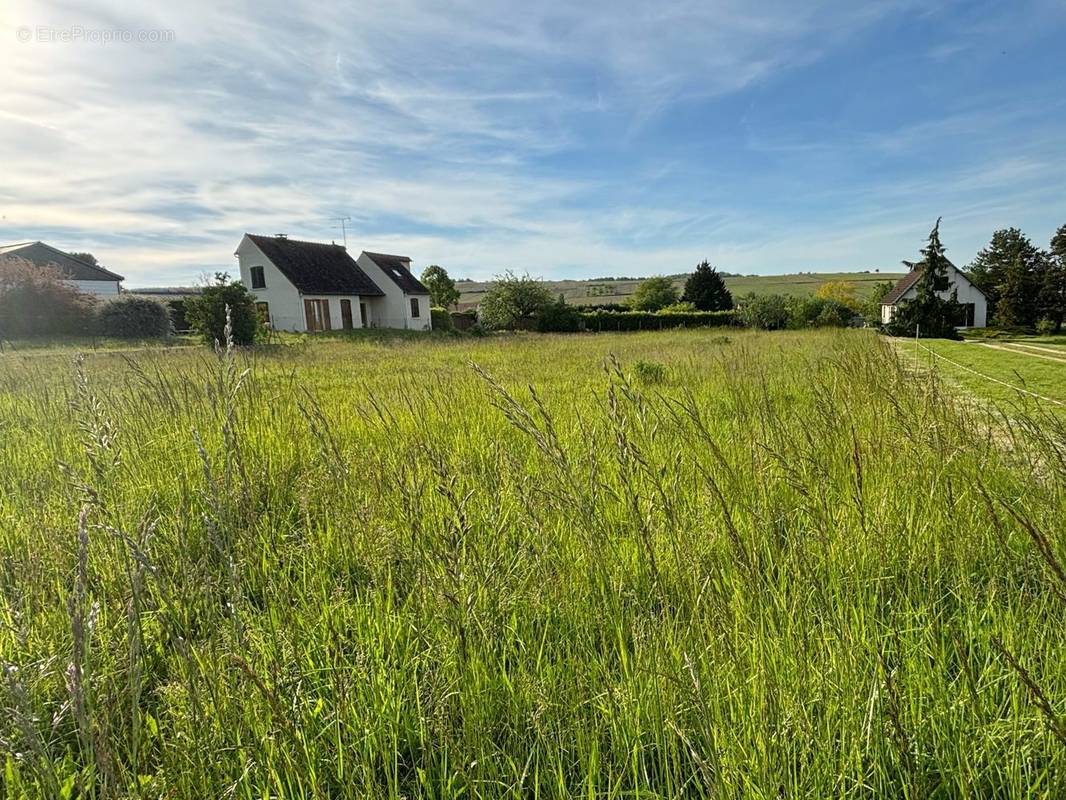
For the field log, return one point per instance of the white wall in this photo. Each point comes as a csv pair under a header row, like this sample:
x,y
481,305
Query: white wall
x,y
286,307
394,309
96,287
967,293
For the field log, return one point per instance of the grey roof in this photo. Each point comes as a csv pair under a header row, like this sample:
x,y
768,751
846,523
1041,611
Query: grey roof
x,y
73,268
315,268
398,269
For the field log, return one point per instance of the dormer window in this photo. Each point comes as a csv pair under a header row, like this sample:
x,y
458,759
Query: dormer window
x,y
258,278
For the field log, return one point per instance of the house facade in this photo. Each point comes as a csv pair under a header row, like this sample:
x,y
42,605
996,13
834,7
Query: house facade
x,y
406,301
83,276
310,286
973,301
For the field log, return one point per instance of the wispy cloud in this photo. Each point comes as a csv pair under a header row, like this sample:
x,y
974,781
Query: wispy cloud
x,y
563,138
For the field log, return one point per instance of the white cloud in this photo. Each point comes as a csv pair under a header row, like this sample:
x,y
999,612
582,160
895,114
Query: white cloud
x,y
430,124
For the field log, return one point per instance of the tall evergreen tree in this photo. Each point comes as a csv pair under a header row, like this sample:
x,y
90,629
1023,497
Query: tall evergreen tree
x,y
989,273
929,313
1052,300
706,290
1014,306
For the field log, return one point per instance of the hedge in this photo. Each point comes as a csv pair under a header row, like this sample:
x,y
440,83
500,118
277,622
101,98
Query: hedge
x,y
649,321
441,319
132,317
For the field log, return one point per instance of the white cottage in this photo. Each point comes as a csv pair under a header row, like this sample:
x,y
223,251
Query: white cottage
x,y
973,301
83,276
309,286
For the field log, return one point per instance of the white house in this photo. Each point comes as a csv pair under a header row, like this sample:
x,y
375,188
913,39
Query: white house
x,y
973,301
82,275
309,286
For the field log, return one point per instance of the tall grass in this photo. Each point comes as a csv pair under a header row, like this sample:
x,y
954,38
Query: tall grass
x,y
518,568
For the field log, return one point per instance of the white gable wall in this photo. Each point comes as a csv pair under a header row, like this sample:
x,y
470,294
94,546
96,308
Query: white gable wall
x,y
967,293
394,309
285,305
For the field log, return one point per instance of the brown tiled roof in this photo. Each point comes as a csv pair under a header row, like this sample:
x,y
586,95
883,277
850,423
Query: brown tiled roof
x,y
315,268
399,271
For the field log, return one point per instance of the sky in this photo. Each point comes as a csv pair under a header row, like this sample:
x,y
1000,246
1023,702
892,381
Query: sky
x,y
558,138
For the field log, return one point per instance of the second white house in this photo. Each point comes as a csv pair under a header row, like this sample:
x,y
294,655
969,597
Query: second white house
x,y
974,305
310,286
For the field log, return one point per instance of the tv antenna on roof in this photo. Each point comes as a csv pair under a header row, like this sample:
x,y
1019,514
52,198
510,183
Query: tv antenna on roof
x,y
344,230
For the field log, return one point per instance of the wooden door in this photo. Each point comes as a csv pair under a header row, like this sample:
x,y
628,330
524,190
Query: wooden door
x,y
324,305
311,317
346,314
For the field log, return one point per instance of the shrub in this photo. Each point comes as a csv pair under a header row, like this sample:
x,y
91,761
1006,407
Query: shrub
x,y
768,312
682,307
654,294
819,312
207,313
441,319
512,299
37,301
1045,327
128,317
558,317
649,372
645,321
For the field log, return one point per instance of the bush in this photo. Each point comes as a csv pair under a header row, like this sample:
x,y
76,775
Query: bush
x,y
441,319
768,312
37,301
207,313
646,321
649,372
129,317
654,294
682,307
819,312
1045,327
558,317
513,302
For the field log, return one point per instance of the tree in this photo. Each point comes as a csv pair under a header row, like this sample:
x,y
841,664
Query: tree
x,y
929,313
513,298
1052,298
38,301
88,258
441,287
207,313
706,290
842,292
653,294
870,308
1015,308
989,269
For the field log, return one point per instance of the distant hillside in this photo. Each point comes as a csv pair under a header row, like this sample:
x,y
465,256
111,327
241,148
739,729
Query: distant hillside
x,y
595,292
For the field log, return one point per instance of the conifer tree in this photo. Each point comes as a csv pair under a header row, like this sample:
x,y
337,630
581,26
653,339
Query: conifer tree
x,y
706,290
929,313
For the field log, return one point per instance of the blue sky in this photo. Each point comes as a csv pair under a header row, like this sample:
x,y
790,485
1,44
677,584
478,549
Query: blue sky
x,y
564,139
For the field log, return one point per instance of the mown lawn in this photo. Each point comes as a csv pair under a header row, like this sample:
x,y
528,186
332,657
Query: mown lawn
x,y
684,564
1033,368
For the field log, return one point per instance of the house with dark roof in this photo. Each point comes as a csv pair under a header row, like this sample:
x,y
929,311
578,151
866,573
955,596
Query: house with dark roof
x,y
311,286
406,301
973,301
85,277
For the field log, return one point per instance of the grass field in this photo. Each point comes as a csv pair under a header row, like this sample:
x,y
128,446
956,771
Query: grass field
x,y
1034,365
597,292
679,564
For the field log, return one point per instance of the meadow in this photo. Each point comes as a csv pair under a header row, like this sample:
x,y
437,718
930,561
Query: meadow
x,y
681,564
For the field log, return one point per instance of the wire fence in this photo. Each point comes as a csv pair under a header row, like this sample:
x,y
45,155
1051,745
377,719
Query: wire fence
x,y
955,363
